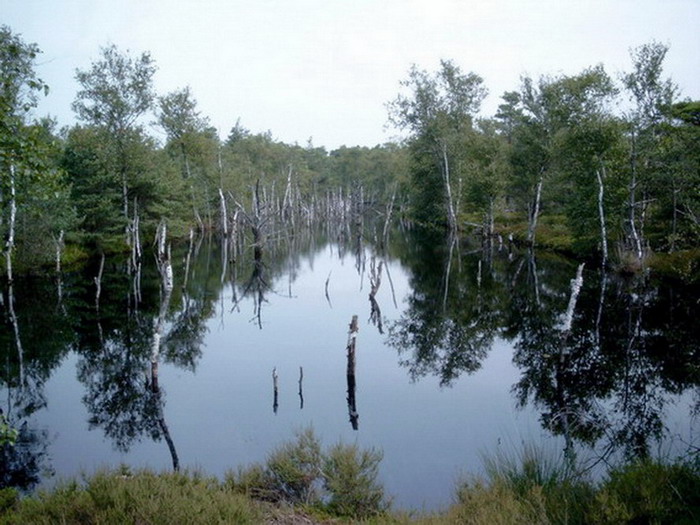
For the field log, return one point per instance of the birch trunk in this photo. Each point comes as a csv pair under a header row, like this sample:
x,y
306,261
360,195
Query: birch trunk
x,y
448,189
98,283
15,328
166,272
10,244
601,214
224,218
532,227
632,201
576,285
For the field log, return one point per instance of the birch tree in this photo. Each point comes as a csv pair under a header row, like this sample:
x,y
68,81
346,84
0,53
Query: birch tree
x,y
438,111
115,92
185,129
650,95
19,91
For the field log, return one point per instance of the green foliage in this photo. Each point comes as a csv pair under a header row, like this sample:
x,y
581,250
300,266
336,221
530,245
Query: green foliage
x,y
115,91
294,468
350,476
342,481
533,488
144,497
650,492
438,112
8,435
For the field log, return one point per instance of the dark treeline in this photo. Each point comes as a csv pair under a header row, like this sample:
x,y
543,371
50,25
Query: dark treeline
x,y
584,162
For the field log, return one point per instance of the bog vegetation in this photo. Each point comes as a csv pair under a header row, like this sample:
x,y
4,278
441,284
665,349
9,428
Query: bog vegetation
x,y
300,483
605,168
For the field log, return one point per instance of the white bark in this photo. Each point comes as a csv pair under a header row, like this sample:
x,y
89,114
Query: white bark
x,y
59,249
98,282
601,214
10,244
535,212
576,285
224,217
632,201
166,272
18,339
189,258
448,188
387,221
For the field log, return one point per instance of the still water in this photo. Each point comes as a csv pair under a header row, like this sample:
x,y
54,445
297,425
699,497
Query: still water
x,y
461,351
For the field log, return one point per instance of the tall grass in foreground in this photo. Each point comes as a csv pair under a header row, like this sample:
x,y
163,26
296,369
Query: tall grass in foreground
x,y
301,482
537,487
142,497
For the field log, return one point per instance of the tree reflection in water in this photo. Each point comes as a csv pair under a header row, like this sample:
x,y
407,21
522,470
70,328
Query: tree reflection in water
x,y
632,345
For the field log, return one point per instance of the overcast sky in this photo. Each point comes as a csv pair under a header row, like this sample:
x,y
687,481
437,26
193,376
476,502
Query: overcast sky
x,y
326,68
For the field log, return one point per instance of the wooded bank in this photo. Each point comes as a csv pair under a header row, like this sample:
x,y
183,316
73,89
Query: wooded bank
x,y
608,169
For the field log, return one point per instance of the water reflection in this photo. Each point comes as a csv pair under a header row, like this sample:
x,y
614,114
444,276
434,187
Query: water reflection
x,y
632,344
450,321
606,381
27,360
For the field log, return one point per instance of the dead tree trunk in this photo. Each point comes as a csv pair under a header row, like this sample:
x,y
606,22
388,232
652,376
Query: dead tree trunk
x,y
275,391
301,390
352,404
387,220
224,219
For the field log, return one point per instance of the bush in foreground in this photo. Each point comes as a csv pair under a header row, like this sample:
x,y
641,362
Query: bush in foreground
x,y
341,481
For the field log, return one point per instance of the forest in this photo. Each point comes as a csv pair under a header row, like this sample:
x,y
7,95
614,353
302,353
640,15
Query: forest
x,y
606,169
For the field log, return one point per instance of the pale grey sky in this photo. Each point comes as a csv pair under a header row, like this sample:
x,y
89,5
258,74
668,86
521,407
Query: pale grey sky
x,y
326,68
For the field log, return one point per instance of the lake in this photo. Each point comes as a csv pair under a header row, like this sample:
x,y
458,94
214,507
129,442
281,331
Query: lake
x,y
463,349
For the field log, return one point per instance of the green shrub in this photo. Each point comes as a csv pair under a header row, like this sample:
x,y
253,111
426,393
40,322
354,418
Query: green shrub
x,y
341,481
145,497
294,468
350,477
650,491
8,498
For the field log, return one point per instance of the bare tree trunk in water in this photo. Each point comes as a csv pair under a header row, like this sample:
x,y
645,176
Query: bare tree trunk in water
x,y
387,220
301,390
352,404
275,391
224,218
